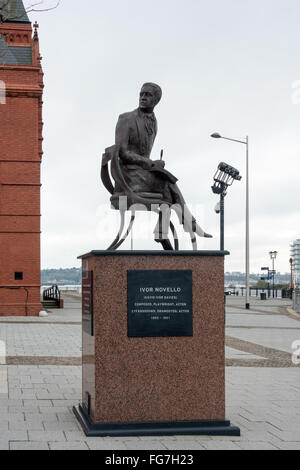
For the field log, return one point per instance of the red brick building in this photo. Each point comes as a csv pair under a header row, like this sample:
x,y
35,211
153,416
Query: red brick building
x,y
20,161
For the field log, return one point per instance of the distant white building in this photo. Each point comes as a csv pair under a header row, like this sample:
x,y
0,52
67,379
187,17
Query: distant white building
x,y
295,255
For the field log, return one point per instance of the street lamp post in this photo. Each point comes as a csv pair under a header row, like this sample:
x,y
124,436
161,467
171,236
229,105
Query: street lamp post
x,y
292,281
224,177
247,263
273,255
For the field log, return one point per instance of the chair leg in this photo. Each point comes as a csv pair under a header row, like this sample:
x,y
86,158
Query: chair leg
x,y
194,240
127,232
112,246
175,236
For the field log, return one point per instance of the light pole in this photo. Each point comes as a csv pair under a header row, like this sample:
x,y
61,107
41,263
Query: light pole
x,y
273,255
244,142
292,282
224,177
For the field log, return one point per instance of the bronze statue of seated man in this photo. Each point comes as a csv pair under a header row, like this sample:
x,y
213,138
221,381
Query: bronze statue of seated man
x,y
142,181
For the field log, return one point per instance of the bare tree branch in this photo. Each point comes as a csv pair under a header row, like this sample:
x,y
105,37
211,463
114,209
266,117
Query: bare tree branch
x,y
34,4
31,7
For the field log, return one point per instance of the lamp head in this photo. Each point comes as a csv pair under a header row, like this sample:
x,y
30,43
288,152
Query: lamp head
x,y
216,135
224,177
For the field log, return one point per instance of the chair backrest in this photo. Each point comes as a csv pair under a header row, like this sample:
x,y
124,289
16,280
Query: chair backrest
x,y
105,170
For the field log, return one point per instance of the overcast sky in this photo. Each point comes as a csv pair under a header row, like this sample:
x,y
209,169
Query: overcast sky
x,y
224,65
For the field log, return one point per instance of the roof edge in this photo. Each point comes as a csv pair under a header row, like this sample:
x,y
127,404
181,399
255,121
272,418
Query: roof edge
x,y
16,22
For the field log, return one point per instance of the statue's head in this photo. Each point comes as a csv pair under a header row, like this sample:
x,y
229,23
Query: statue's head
x,y
150,96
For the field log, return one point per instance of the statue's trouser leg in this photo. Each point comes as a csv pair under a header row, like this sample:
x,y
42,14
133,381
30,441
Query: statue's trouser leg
x,y
184,215
161,231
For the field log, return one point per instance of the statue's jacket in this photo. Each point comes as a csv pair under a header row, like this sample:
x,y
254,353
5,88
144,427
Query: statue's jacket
x,y
135,136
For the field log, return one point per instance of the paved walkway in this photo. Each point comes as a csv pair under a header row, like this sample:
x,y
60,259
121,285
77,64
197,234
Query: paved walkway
x,y
40,381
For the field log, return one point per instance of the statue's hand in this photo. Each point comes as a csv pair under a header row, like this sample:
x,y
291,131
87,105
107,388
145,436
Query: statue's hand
x,y
147,164
159,164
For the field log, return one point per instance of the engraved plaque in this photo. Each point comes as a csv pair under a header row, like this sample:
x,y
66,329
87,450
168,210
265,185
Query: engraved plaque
x,y
87,302
160,303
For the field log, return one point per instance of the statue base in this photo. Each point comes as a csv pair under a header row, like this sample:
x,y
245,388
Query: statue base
x,y
181,428
153,344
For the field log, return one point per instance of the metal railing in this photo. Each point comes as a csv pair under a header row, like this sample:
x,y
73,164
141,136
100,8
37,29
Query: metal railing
x,y
256,292
53,293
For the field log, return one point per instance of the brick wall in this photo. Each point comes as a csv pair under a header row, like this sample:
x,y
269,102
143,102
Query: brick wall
x,y
20,161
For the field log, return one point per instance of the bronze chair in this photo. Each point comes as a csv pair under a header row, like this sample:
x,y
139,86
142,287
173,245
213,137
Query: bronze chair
x,y
111,171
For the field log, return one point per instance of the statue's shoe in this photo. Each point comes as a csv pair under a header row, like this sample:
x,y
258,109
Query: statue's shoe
x,y
166,244
198,230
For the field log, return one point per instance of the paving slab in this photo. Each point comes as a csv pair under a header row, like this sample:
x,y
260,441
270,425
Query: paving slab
x,y
260,320
4,444
68,446
232,353
28,445
3,383
280,339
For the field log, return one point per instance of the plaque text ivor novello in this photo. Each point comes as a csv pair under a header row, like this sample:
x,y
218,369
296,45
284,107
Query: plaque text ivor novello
x,y
160,289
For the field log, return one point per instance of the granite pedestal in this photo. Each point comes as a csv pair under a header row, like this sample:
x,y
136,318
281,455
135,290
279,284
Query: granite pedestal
x,y
138,379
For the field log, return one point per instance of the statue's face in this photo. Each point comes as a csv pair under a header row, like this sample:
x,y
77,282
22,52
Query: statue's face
x,y
147,98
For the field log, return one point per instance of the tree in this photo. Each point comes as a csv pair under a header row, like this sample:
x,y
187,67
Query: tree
x,y
6,7
261,285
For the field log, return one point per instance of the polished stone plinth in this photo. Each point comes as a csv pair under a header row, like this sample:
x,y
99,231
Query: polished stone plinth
x,y
152,385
